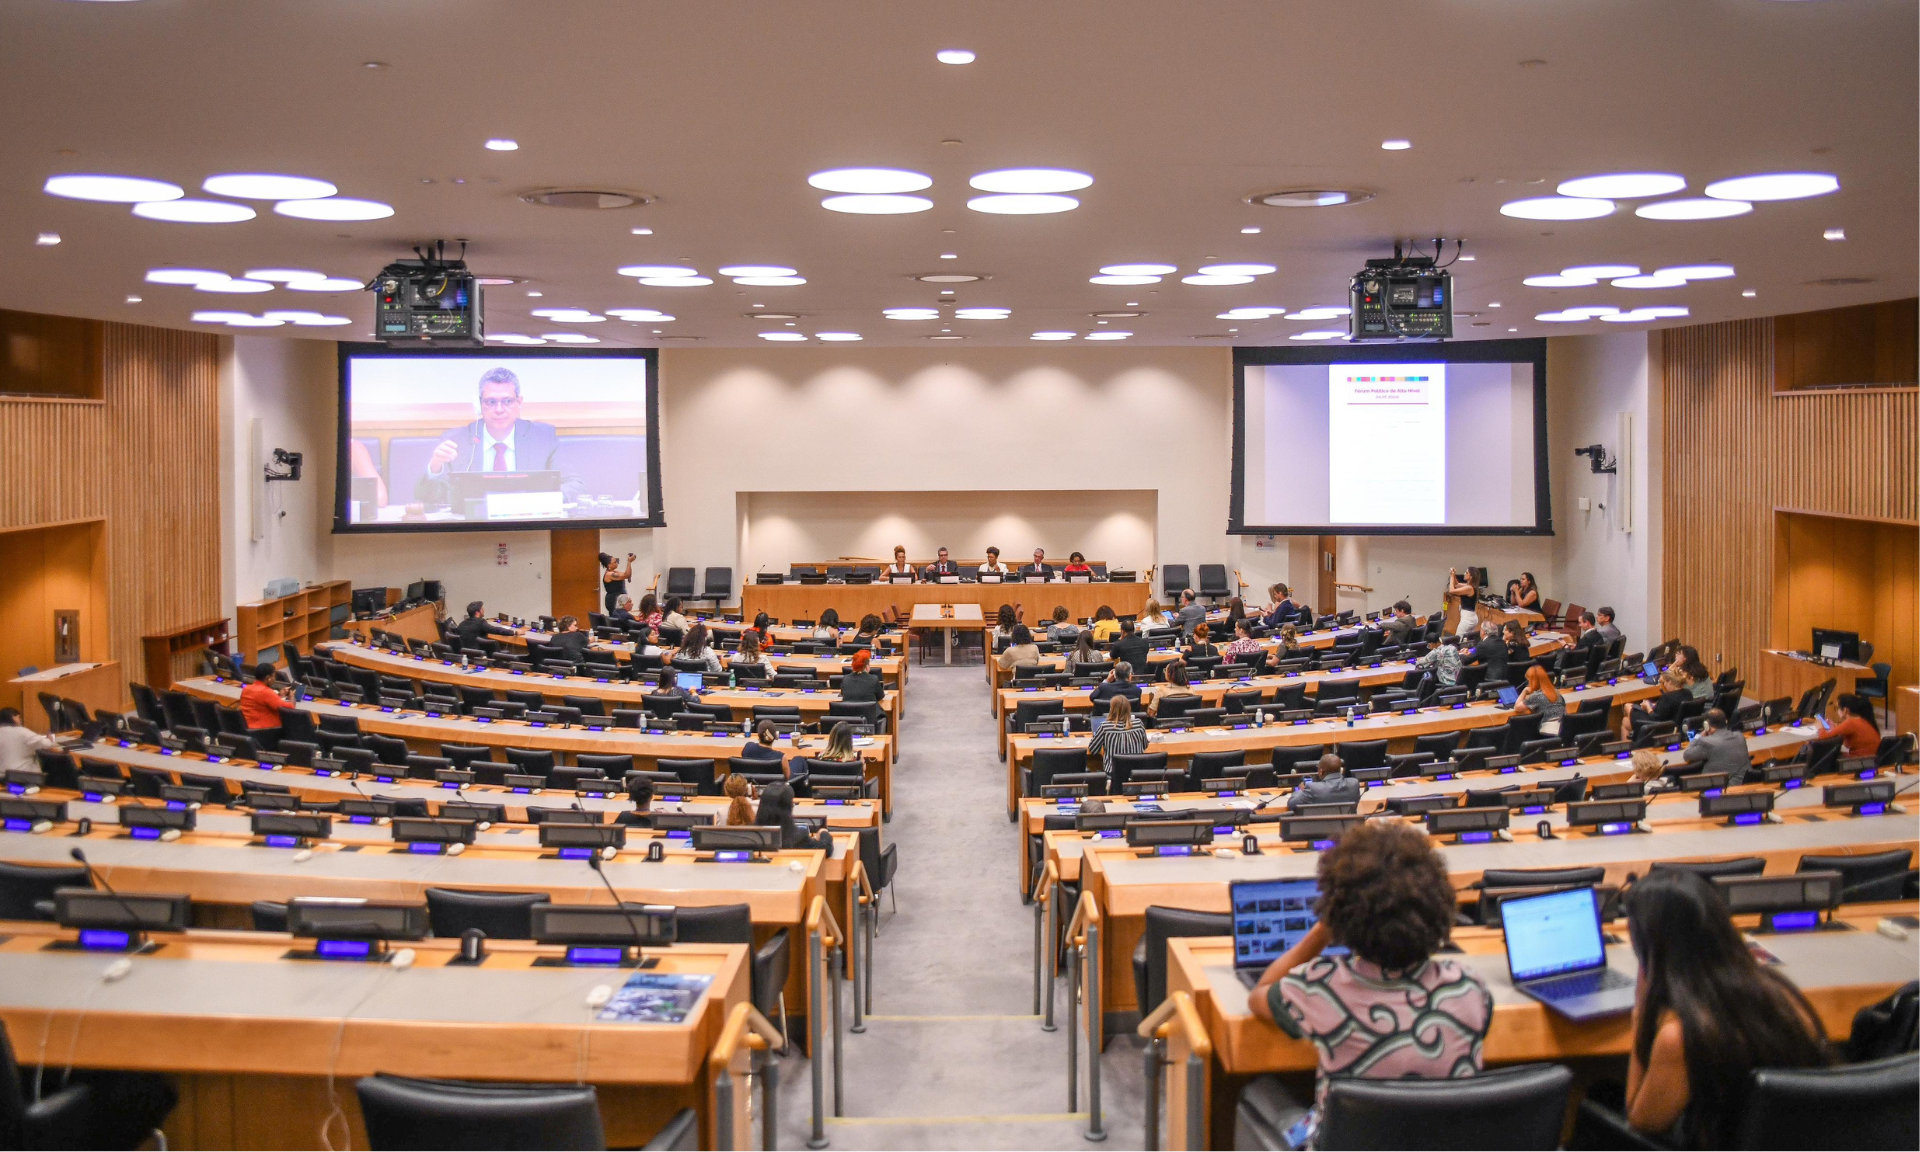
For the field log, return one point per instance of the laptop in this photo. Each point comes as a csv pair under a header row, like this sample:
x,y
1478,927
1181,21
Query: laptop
x,y
690,681
1557,954
1269,917
1508,696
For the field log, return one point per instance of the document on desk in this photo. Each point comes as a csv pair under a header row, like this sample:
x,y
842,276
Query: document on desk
x,y
1387,443
655,998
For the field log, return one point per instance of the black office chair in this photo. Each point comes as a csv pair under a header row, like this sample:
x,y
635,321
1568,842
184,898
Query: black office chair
x,y
880,865
58,766
297,725
568,776
586,705
1212,766
23,888
465,755
697,772
81,1109
1300,758
1439,745
268,915
1213,582
719,587
1866,1105
501,915
403,1112
679,583
387,749
1859,871
426,767
1739,866
1125,765
1047,762
1508,1108
530,761
1174,579
612,764
1585,722
1150,955
1362,754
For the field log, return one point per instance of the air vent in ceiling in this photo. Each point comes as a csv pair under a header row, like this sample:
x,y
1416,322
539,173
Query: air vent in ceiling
x,y
597,198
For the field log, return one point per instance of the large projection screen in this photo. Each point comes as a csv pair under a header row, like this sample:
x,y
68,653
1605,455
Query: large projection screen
x,y
1428,439
471,439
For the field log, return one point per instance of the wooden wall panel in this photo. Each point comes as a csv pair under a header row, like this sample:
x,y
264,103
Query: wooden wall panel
x,y
574,554
1839,347
54,469
49,355
1858,575
46,569
1734,452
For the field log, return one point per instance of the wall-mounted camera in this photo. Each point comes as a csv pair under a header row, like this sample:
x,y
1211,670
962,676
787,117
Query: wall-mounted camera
x,y
285,465
1598,458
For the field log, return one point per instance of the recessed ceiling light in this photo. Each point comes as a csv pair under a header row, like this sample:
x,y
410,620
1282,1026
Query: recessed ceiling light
x,y
938,336
1249,231
1220,281
636,315
1236,269
1030,181
1834,234
536,293
657,270
1021,204
494,281
1493,304
1319,334
1396,145
1623,185
869,181
238,286
769,281
1692,209
641,231
1561,281
1774,186
1466,259
376,64
1126,281
1577,315
1310,198
1513,329
778,336
1641,315
1154,270
335,284
1652,280
1696,271
1115,315
1249,313
334,208
1601,271
949,255
47,239
133,299
877,205
302,316
743,270
1557,208
218,317
284,275
840,336
502,144
766,315
676,281
912,313
954,56
1749,293
1319,312
111,189
569,338
193,211
949,278
568,316
1108,335
981,313
266,186
1051,336
512,338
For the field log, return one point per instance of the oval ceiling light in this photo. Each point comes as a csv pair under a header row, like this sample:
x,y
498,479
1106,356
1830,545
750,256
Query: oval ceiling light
x,y
877,205
569,338
1692,209
337,208
912,313
782,336
676,281
331,284
1216,281
981,313
770,281
1023,204
1249,313
949,278
1030,181
236,286
1696,271
657,270
1319,334
1108,335
284,275
638,314
1051,336
750,270
1154,270
1601,271
1576,315
1236,269
218,317
266,186
568,316
306,319
1623,185
837,336
513,338
245,321
952,56
1557,208
1642,315
502,144
1125,281
1310,197
185,276
869,181
1561,281
193,211
1320,312
1396,145
1654,280
111,189
1774,186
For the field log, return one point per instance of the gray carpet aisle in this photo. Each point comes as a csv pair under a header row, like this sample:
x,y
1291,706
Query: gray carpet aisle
x,y
952,1057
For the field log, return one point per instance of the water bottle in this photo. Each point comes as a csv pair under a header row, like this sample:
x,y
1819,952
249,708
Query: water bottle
x,y
1350,712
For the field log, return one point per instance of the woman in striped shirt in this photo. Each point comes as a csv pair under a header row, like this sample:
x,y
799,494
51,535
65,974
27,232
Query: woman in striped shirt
x,y
1122,734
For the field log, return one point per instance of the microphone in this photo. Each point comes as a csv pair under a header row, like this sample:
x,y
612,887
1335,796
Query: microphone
x,y
639,938
133,918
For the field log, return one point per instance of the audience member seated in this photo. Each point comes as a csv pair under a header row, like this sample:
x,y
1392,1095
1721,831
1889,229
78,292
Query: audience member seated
x,y
1391,1009
1289,639
1664,708
1858,730
869,632
1174,674
1401,625
1491,651
1243,643
1121,735
1063,630
1282,610
940,567
1131,648
1105,625
1519,649
1541,696
900,568
761,746
475,624
826,630
1443,662
993,567
860,683
1192,613
1152,615
640,795
1003,622
1202,643
739,807
1529,597
694,647
1648,769
1330,785
1236,612
1719,748
748,656
18,743
1119,682
776,811
840,749
1702,688
673,618
1020,650
260,701
570,638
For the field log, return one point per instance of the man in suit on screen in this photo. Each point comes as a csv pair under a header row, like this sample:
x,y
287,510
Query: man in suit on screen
x,y
497,442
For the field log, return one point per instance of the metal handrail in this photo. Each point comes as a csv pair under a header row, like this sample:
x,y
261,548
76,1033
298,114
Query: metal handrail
x,y
867,909
1083,933
1176,1014
824,938
745,1026
1046,939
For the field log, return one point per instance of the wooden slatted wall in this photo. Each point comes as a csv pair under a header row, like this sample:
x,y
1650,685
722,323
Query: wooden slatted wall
x,y
145,459
1735,451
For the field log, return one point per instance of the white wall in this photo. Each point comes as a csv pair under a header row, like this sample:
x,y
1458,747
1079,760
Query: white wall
x,y
466,563
288,386
1591,381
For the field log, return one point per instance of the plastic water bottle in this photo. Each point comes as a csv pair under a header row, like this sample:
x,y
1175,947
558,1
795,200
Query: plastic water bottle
x,y
1350,712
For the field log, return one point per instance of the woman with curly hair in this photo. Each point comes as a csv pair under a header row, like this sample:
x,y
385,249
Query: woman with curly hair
x,y
1389,1009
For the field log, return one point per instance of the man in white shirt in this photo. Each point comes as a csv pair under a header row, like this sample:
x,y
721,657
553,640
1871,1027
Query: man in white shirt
x,y
18,742
993,567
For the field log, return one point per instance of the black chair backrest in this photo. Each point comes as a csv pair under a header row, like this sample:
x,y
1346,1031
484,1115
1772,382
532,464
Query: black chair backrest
x,y
463,755
23,886
614,764
405,1113
719,582
268,915
1540,877
697,772
680,582
1359,754
1866,1105
530,761
501,915
717,924
1049,761
1857,870
682,1133
1125,765
1162,925
1519,1107
1740,866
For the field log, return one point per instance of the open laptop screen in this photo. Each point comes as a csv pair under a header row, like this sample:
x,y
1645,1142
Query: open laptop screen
x,y
1553,933
1269,917
689,681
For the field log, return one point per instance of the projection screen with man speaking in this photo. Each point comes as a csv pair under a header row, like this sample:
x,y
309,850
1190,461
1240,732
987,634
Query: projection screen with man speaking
x,y
479,438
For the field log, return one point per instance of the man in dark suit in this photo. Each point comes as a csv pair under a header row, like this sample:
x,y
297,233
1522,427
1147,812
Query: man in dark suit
x,y
940,567
1039,567
497,442
475,625
1490,651
1401,627
1131,648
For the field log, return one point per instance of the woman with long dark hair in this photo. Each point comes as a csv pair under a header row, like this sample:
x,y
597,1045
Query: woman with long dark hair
x,y
776,811
613,578
1706,1015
